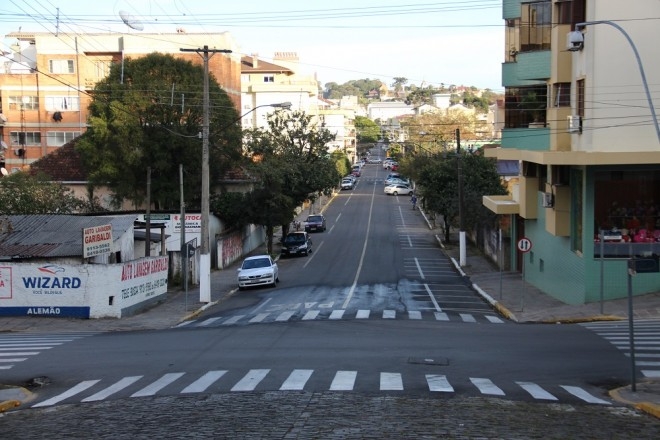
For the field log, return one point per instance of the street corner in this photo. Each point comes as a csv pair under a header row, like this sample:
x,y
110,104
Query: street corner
x,y
645,398
12,397
582,319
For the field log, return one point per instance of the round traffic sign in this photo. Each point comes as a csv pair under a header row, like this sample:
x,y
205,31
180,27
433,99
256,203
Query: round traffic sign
x,y
524,244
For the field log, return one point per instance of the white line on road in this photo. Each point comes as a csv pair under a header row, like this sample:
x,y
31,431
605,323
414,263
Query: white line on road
x,y
439,382
250,380
582,394
312,314
536,391
260,317
337,314
363,314
414,314
391,382
389,314
201,384
233,320
296,380
435,303
285,316
161,383
343,381
112,389
486,386
82,386
419,268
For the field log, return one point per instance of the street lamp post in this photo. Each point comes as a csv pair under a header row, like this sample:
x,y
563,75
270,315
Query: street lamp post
x,y
582,25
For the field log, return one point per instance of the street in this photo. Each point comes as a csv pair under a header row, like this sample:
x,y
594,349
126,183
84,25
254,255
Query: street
x,y
372,335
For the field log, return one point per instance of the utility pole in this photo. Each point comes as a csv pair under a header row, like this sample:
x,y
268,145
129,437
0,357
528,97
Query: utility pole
x,y
205,256
461,220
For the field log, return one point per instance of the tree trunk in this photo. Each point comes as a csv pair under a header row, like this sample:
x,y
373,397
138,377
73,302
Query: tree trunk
x,y
269,239
444,218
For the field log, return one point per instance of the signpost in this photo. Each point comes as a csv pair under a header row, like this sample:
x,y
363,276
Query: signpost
x,y
524,246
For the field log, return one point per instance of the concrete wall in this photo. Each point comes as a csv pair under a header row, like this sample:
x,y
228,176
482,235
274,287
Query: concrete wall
x,y
82,291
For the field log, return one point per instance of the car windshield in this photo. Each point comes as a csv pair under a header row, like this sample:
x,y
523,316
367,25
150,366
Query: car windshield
x,y
256,263
295,238
314,219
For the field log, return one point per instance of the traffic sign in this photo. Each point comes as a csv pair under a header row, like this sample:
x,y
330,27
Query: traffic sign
x,y
524,244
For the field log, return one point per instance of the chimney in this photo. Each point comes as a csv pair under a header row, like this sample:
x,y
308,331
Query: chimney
x,y
255,60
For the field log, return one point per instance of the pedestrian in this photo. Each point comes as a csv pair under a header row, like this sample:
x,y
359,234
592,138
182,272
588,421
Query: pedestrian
x,y
413,200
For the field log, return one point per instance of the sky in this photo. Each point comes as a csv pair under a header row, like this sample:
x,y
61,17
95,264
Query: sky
x,y
459,42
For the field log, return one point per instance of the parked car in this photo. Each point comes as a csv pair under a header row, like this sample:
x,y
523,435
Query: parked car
x,y
374,160
347,183
296,243
397,189
356,171
315,222
258,270
395,180
387,162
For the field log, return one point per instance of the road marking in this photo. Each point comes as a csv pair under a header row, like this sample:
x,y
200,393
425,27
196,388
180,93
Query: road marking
x,y
312,314
337,314
184,323
439,382
82,386
391,382
285,316
466,317
389,314
34,346
201,384
112,389
362,314
486,386
435,303
536,391
343,381
161,383
414,314
582,394
20,353
263,303
441,316
260,317
250,380
494,319
13,360
364,252
315,252
651,373
233,320
419,268
296,380
209,321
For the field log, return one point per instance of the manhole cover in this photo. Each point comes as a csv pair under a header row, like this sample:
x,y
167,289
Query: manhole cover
x,y
429,361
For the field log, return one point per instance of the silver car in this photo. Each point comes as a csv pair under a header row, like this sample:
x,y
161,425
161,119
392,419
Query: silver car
x,y
397,189
259,270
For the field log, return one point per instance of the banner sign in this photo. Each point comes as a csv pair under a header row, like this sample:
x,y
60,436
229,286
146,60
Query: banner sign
x,y
97,240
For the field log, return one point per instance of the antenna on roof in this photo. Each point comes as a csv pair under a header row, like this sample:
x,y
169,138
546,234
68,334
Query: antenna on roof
x,y
131,21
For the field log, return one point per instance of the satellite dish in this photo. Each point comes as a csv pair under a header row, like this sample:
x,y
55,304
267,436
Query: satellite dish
x,y
4,171
131,21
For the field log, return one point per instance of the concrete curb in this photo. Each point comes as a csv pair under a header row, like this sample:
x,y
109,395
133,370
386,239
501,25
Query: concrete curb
x,y
647,407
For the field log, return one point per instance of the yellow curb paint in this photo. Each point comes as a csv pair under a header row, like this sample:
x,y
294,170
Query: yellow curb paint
x,y
649,408
9,404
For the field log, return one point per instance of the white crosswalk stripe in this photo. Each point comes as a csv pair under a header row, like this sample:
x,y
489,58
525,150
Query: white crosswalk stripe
x,y
298,380
19,347
338,314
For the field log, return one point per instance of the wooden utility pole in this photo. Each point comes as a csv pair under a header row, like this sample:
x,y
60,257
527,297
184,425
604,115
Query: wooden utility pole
x,y
205,256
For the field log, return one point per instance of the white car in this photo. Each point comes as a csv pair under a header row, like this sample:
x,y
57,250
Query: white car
x,y
397,189
395,180
258,270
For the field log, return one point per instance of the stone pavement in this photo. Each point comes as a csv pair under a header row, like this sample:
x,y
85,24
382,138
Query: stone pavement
x,y
505,291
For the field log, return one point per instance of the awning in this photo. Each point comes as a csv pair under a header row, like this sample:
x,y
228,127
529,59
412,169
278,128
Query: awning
x,y
501,204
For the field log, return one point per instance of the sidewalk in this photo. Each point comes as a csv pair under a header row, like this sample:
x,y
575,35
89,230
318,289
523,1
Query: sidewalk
x,y
506,292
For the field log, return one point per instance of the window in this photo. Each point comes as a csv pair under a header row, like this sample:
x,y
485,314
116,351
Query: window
x,y
59,138
23,103
524,106
561,95
627,210
269,78
102,68
60,66
25,138
535,25
564,11
62,103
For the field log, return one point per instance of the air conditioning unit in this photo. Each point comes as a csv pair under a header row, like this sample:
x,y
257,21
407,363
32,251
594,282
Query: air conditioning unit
x,y
548,200
575,124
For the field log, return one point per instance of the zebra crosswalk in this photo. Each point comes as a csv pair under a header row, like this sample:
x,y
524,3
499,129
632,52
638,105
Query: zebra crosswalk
x,y
303,379
16,348
646,341
337,314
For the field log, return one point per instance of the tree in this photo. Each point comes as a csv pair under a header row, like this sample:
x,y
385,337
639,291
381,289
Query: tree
x,y
153,118
291,164
438,185
367,130
23,194
399,82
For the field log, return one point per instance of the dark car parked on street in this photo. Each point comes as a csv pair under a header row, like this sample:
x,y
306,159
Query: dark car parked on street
x,y
296,243
315,222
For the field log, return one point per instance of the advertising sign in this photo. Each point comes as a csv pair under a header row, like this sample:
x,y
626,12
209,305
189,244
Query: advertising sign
x,y
97,240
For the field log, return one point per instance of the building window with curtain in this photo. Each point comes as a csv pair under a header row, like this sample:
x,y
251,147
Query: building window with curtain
x,y
535,25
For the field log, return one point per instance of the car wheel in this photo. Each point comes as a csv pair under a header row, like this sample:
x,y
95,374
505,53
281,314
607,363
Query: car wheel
x,y
395,193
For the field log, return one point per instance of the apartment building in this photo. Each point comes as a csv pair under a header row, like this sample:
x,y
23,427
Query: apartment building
x,y
45,82
579,118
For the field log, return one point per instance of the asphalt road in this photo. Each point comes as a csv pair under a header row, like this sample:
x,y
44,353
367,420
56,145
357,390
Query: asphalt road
x,y
373,335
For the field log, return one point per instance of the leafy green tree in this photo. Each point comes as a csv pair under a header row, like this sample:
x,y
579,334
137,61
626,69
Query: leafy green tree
x,y
291,164
438,185
399,83
153,118
367,130
23,194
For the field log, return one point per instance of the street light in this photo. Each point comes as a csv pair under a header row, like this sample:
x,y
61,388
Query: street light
x,y
578,45
205,255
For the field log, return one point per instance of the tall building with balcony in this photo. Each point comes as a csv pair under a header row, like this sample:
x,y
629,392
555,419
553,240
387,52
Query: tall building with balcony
x,y
45,83
578,117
